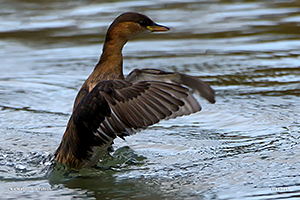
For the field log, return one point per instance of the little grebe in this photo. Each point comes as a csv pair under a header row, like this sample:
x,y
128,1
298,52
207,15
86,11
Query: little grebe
x,y
109,105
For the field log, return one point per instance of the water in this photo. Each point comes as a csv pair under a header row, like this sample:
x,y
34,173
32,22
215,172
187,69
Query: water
x,y
243,147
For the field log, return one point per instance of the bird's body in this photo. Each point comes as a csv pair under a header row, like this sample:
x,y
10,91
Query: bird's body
x,y
109,105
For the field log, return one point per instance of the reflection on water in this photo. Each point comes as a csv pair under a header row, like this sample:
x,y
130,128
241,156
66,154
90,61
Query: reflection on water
x,y
243,147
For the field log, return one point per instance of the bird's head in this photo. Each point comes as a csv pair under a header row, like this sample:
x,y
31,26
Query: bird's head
x,y
130,24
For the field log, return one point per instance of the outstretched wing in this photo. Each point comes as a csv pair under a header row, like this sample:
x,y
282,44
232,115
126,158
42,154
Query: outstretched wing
x,y
119,108
197,85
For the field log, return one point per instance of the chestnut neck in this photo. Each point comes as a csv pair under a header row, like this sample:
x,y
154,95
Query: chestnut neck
x,y
110,64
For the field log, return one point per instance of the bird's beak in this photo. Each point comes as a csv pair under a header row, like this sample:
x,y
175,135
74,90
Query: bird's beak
x,y
157,28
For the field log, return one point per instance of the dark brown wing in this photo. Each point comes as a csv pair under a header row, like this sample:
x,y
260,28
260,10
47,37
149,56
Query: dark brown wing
x,y
197,85
119,108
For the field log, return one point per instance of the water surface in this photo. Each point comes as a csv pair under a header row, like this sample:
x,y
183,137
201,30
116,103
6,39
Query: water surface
x,y
243,147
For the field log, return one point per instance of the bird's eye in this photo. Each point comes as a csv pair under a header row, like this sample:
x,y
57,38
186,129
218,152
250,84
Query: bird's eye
x,y
143,23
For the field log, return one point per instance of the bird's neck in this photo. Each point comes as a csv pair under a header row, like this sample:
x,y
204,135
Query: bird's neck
x,y
110,65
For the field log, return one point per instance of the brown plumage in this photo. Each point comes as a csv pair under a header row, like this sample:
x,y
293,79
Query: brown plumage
x,y
109,105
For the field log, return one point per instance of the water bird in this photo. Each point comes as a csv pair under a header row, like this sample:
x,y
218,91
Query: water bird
x,y
110,105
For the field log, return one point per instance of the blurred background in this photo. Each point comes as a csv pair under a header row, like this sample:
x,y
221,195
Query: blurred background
x,y
246,146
